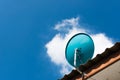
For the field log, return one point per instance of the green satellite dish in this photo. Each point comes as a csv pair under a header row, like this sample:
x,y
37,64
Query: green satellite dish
x,y
79,49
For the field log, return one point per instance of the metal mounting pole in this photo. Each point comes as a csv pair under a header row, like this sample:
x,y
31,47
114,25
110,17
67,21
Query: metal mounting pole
x,y
75,57
75,64
83,76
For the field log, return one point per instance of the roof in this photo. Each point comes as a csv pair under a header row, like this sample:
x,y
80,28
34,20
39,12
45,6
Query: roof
x,y
108,52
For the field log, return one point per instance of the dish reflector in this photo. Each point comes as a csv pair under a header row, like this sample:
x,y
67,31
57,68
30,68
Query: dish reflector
x,y
79,49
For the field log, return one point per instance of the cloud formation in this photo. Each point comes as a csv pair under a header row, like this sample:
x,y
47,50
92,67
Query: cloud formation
x,y
66,29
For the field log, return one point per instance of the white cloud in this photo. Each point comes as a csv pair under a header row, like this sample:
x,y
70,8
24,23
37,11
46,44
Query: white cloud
x,y
66,29
101,42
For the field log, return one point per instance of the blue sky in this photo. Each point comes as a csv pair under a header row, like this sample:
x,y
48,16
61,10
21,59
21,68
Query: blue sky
x,y
26,26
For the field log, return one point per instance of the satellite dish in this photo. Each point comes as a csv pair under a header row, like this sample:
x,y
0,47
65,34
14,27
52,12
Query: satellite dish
x,y
79,49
